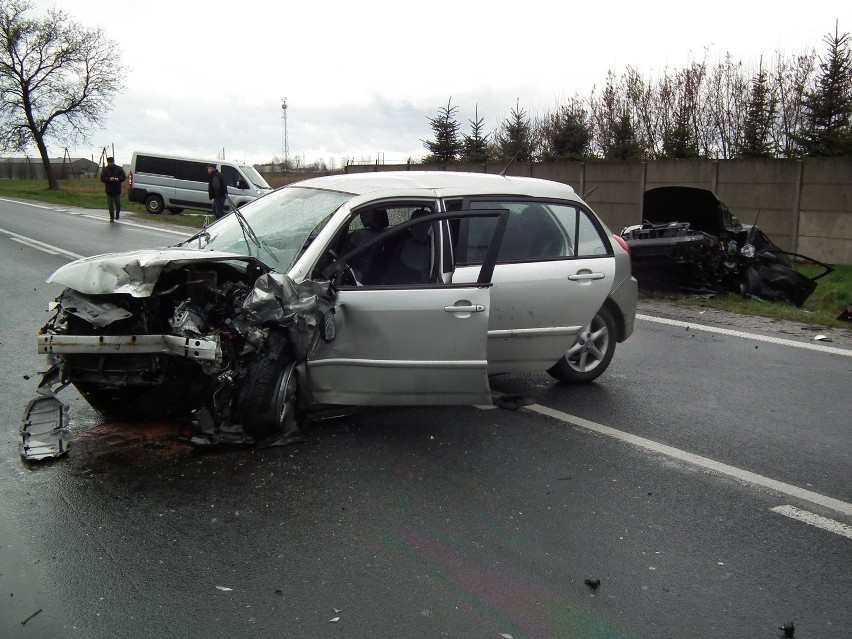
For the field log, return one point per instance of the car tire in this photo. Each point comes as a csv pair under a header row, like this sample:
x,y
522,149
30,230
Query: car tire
x,y
268,401
154,204
591,353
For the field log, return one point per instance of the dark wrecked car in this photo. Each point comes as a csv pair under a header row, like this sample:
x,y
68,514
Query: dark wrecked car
x,y
689,240
370,289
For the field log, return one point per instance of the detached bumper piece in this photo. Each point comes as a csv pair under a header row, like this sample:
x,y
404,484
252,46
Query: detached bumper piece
x,y
44,430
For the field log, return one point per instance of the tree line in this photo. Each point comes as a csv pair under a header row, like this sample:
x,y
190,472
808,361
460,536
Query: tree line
x,y
799,106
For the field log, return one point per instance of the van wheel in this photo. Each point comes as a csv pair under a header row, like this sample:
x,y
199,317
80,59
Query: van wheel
x,y
154,204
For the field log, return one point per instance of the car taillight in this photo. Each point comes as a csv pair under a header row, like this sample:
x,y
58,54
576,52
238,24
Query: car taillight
x,y
130,180
622,243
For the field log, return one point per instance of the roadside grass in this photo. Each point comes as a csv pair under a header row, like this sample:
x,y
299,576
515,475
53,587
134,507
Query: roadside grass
x,y
87,194
832,295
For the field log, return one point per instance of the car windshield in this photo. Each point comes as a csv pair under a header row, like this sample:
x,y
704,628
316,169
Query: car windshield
x,y
256,178
274,228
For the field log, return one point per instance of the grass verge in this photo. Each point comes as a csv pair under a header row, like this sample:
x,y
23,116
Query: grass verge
x,y
832,295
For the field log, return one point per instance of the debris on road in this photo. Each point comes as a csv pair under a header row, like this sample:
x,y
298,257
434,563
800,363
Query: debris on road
x,y
594,584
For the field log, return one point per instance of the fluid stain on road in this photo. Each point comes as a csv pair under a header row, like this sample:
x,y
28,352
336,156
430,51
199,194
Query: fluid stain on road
x,y
131,445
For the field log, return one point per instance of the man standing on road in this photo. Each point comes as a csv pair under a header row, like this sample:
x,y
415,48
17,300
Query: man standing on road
x,y
217,190
112,176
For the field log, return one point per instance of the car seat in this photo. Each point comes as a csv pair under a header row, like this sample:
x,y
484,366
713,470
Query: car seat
x,y
411,262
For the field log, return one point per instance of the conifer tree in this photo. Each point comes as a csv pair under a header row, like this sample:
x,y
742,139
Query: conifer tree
x,y
446,145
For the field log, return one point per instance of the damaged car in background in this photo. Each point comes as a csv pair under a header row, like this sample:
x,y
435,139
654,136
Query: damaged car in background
x,y
397,288
690,241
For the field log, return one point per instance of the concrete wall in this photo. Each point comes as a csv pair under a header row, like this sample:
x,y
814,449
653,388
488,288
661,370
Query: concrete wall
x,y
804,206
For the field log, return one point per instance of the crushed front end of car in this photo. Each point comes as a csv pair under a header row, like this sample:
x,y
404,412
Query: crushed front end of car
x,y
209,338
690,241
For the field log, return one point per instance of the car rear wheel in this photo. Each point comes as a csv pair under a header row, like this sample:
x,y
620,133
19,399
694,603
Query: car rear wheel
x,y
591,354
154,204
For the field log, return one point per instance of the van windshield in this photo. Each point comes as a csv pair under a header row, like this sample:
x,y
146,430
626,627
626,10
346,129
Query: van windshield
x,y
256,178
282,222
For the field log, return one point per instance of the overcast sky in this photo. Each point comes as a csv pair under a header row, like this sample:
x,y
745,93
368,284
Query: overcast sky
x,y
362,76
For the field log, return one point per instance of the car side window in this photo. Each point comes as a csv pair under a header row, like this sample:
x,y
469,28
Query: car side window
x,y
589,240
405,257
535,231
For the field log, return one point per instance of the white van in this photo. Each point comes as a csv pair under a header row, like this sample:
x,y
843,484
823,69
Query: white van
x,y
175,183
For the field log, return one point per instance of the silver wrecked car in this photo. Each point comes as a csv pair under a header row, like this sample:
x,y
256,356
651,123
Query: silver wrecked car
x,y
391,288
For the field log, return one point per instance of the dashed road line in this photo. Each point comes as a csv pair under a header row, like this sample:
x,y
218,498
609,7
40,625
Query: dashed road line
x,y
752,336
41,246
812,519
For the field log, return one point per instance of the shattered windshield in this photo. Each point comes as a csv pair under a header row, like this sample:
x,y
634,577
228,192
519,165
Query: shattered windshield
x,y
274,228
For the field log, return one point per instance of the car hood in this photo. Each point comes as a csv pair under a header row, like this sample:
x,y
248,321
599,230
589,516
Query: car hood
x,y
135,272
699,207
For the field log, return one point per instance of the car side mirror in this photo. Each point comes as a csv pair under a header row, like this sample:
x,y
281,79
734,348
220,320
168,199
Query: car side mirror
x,y
241,184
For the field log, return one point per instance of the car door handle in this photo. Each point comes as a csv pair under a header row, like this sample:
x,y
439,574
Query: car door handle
x,y
588,275
465,308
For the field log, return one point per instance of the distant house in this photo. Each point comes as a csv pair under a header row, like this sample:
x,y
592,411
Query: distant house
x,y
30,168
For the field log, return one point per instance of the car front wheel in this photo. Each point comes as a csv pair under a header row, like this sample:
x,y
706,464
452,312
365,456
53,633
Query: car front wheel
x,y
590,355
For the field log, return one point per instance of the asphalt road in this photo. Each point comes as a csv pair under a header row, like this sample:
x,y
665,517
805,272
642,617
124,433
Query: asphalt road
x,y
704,480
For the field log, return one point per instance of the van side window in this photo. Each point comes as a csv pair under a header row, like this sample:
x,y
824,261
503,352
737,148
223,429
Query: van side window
x,y
194,171
154,165
232,177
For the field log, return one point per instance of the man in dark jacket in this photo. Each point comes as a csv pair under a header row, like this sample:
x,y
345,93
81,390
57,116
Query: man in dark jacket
x,y
112,176
217,190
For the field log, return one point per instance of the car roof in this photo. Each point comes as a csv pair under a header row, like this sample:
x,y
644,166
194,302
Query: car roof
x,y
442,183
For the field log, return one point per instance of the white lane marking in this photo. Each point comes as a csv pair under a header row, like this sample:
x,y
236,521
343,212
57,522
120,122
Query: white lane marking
x,y
38,206
144,227
838,528
754,336
41,246
697,460
31,245
79,213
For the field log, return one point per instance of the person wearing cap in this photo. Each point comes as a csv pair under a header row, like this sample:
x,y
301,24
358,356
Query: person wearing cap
x,y
217,190
112,176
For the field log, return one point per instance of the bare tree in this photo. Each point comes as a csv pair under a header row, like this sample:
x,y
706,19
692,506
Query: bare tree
x,y
791,79
725,106
57,79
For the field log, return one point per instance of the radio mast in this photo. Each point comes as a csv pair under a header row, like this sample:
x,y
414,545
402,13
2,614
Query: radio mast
x,y
285,143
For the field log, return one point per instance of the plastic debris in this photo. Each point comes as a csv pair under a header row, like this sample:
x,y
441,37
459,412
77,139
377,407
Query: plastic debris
x,y
822,338
224,588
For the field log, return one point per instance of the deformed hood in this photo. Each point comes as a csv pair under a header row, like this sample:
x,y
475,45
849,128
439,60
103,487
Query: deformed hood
x,y
699,207
134,272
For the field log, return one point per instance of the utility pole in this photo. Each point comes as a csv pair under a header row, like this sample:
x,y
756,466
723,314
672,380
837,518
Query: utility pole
x,y
285,143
